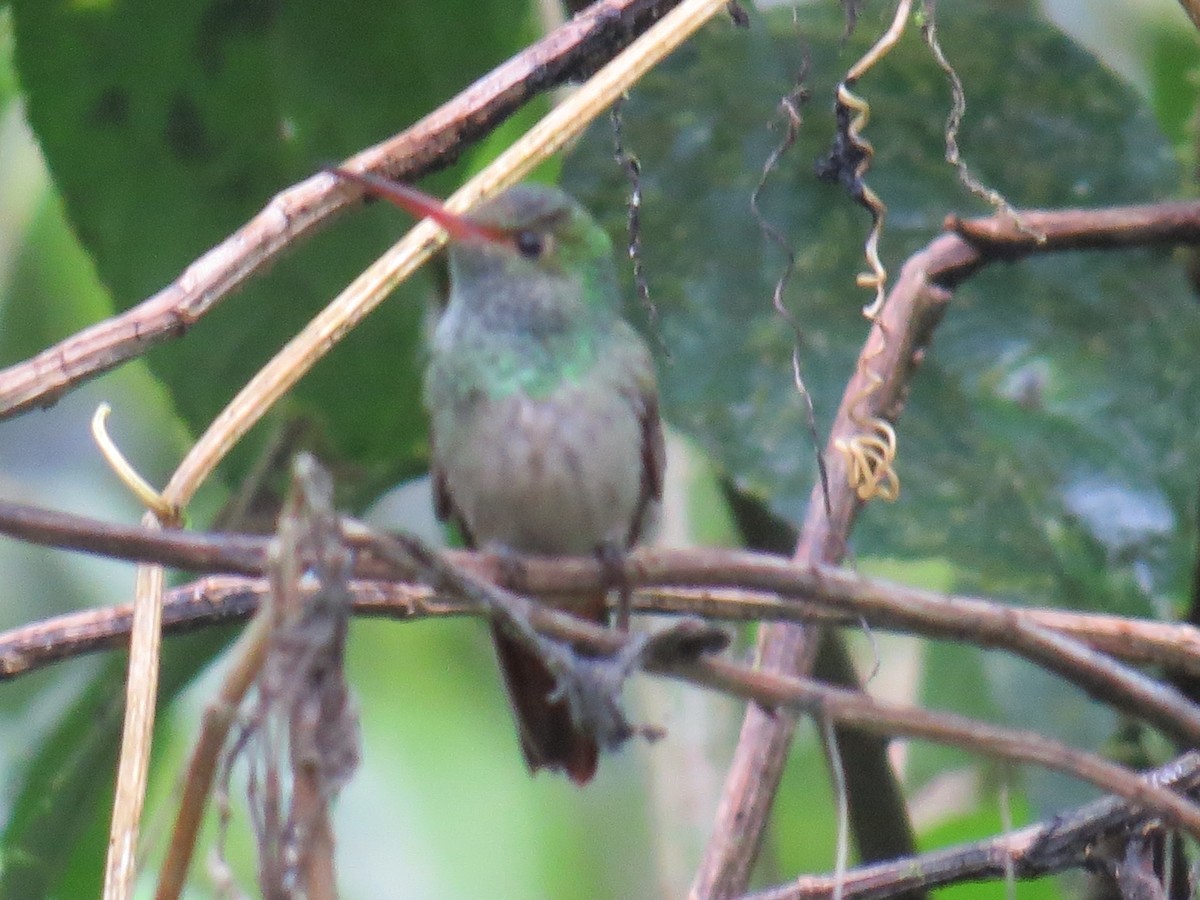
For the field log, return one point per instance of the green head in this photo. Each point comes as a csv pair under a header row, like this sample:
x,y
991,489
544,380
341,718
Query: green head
x,y
530,252
546,260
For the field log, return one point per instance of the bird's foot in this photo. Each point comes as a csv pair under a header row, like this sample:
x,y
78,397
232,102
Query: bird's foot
x,y
591,687
611,557
506,566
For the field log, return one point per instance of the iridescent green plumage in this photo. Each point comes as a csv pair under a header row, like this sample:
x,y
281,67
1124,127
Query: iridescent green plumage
x,y
544,416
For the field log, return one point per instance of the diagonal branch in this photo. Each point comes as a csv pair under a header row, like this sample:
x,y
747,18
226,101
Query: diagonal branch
x,y
1066,842
895,347
571,51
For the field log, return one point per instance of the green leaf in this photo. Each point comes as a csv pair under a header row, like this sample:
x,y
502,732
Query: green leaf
x,y
1174,60
167,126
54,841
1048,448
61,792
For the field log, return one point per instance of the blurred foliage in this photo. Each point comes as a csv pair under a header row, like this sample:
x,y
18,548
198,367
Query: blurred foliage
x,y
1053,386
216,106
1047,452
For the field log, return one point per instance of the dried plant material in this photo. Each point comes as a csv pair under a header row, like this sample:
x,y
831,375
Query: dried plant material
x,y
300,738
871,452
166,512
590,683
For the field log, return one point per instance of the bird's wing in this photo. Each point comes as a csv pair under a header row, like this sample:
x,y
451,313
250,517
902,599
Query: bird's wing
x,y
443,502
644,397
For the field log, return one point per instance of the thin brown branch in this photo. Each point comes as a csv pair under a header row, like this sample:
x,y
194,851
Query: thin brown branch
x,y
999,237
828,596
1028,633
572,50
219,600
857,710
895,347
219,715
293,652
711,583
908,318
1192,8
778,693
1066,842
847,708
189,550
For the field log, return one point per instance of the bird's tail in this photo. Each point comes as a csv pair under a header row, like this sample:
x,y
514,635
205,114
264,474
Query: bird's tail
x,y
549,739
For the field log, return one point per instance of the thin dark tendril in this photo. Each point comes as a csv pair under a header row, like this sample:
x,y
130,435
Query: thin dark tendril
x,y
633,169
958,108
851,9
876,660
789,109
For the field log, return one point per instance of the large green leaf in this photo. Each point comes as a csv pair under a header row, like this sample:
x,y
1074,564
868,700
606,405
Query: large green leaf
x,y
164,128
56,834
167,125
1048,448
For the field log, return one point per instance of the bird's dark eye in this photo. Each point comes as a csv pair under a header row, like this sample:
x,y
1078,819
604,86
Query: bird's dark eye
x,y
530,244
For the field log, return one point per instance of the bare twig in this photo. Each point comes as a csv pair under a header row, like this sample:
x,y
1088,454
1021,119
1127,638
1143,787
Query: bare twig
x,y
815,596
1192,8
1066,842
846,708
300,736
244,554
857,710
911,313
219,715
141,695
1048,637
572,50
907,319
999,237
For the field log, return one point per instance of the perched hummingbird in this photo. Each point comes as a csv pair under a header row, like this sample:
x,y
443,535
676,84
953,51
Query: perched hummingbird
x,y
543,403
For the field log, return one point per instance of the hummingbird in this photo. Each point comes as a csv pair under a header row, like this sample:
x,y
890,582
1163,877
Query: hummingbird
x,y
544,422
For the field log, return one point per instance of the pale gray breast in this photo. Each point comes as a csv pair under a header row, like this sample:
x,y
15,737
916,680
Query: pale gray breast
x,y
559,475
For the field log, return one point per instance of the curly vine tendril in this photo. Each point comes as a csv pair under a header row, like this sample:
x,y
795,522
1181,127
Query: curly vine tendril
x,y
871,453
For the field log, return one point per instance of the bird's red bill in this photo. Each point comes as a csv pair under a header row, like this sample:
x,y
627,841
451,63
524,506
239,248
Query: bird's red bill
x,y
421,205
